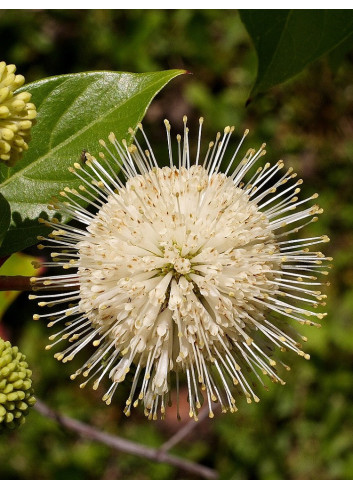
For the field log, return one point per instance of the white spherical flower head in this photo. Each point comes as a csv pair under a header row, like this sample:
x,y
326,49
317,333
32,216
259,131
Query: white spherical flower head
x,y
182,271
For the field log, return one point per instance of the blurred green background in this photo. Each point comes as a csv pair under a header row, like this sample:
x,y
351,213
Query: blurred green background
x,y
303,430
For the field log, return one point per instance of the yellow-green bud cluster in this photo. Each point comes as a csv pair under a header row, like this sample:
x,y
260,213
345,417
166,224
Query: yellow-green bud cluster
x,y
16,115
16,393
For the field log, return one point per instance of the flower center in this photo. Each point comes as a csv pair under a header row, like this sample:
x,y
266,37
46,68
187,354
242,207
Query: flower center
x,y
182,265
176,262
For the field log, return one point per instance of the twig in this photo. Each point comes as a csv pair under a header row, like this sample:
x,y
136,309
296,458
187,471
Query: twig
x,y
123,445
17,282
184,431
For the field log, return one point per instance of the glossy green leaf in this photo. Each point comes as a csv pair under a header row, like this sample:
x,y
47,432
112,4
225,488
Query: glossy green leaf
x,y
336,57
288,40
5,217
74,112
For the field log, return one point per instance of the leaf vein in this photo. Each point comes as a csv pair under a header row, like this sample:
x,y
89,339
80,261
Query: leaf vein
x,y
78,133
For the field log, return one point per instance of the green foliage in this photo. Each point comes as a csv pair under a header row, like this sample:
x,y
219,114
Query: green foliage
x,y
5,217
75,111
337,55
288,40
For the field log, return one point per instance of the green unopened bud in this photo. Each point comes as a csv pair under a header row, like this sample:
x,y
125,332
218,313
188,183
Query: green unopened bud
x,y
16,393
17,115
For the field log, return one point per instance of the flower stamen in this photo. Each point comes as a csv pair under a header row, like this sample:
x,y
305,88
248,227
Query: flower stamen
x,y
183,271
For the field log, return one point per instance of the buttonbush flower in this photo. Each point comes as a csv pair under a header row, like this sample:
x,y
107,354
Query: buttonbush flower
x,y
16,115
185,272
16,393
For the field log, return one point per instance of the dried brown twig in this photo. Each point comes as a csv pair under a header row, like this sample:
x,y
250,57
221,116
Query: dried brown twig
x,y
184,431
127,446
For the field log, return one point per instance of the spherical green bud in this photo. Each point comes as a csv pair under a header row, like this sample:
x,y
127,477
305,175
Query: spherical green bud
x,y
16,393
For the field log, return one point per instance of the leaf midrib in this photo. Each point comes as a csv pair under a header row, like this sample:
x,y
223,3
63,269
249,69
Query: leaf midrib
x,y
276,50
66,110
78,133
308,62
